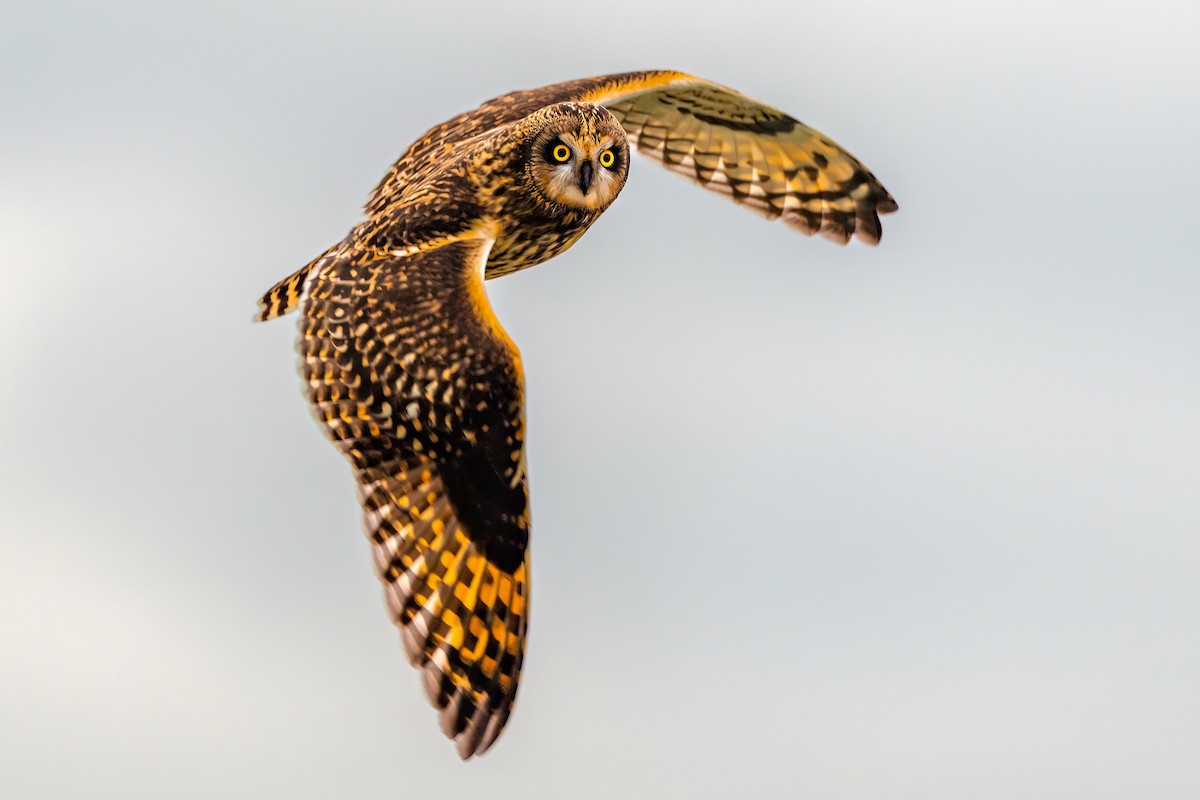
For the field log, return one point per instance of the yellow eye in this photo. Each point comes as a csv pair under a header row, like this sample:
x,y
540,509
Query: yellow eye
x,y
561,153
607,159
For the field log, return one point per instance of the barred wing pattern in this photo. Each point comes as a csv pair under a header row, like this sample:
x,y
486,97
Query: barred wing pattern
x,y
423,391
756,156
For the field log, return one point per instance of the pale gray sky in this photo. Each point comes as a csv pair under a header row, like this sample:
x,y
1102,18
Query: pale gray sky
x,y
918,521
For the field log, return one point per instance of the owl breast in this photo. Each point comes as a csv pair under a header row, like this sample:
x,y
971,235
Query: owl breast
x,y
530,238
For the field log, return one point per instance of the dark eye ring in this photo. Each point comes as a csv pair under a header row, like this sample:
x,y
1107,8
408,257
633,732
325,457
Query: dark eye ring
x,y
561,153
607,159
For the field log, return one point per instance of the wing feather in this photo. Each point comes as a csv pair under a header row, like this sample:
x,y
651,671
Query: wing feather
x,y
801,173
417,384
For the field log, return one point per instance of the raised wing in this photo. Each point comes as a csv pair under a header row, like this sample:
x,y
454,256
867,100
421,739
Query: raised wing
x,y
752,153
423,391
748,151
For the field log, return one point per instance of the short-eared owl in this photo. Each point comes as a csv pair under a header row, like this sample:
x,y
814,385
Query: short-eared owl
x,y
419,386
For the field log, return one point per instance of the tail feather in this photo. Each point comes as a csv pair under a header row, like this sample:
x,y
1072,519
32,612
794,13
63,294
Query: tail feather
x,y
286,295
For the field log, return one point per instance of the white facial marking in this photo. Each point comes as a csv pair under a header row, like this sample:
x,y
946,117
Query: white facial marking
x,y
563,180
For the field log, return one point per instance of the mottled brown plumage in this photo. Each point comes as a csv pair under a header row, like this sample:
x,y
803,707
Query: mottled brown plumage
x,y
423,391
424,394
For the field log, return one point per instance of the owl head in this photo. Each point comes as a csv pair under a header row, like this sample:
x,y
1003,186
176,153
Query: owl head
x,y
577,157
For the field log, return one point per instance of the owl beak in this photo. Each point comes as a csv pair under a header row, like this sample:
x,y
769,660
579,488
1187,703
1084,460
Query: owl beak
x,y
585,176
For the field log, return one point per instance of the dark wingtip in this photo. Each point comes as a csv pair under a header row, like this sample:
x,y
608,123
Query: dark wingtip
x,y
868,229
469,739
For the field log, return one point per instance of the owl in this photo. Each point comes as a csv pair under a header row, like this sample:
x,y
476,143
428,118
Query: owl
x,y
417,384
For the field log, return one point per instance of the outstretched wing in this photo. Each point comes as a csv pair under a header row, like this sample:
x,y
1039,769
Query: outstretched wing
x,y
748,151
752,153
420,387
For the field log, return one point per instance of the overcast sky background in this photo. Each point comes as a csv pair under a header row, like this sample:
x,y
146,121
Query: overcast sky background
x,y
918,521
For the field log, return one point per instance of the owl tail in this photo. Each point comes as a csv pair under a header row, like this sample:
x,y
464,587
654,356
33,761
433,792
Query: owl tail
x,y
462,616
286,295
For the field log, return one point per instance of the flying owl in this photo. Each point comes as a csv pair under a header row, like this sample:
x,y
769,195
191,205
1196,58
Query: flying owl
x,y
416,382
